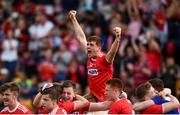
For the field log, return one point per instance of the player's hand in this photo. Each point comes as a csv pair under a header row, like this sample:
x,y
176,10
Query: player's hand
x,y
72,14
45,86
117,32
167,91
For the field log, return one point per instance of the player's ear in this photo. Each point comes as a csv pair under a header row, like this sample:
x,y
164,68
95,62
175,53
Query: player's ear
x,y
15,94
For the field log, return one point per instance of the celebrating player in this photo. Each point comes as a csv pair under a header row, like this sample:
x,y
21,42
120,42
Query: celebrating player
x,y
10,92
99,65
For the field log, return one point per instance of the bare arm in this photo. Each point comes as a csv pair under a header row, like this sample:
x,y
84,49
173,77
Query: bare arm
x,y
80,102
142,105
173,104
80,36
37,99
113,50
100,106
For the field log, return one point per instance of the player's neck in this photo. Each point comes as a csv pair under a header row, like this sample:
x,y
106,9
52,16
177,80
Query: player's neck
x,y
99,54
116,99
54,109
13,105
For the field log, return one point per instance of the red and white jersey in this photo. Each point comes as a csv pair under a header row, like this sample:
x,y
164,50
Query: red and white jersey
x,y
57,110
99,71
19,109
122,106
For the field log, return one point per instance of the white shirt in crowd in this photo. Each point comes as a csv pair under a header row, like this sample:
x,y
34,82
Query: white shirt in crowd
x,y
9,52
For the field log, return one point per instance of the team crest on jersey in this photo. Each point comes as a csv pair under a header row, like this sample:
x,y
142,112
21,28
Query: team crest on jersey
x,y
93,72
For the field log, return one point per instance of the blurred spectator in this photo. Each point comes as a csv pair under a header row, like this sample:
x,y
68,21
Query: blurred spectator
x,y
3,75
22,34
39,30
76,73
28,64
169,72
62,59
135,24
154,56
24,83
47,69
9,54
162,24
43,27
141,70
55,38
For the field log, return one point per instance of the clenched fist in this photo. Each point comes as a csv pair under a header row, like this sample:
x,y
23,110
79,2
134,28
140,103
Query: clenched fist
x,y
117,32
72,14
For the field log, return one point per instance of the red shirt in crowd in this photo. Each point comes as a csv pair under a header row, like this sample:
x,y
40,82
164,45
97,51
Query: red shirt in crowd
x,y
99,71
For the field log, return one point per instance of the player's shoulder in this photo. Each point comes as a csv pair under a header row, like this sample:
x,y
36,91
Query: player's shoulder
x,y
4,110
125,101
22,108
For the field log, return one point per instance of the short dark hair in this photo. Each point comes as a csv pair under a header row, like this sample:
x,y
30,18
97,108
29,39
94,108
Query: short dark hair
x,y
157,84
58,87
95,39
53,94
68,83
12,86
142,90
116,83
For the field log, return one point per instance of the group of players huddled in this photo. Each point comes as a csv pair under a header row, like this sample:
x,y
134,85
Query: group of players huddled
x,y
106,92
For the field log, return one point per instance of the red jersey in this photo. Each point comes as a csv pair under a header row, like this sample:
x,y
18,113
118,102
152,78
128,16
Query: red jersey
x,y
122,106
19,109
42,111
99,71
58,110
153,109
69,107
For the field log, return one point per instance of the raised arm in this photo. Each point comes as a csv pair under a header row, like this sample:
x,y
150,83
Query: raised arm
x,y
100,106
80,35
80,102
37,99
114,48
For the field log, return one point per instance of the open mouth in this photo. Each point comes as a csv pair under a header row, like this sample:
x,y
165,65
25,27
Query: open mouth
x,y
5,100
43,107
89,50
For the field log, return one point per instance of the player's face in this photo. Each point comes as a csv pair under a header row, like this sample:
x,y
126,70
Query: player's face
x,y
47,103
92,49
8,97
68,93
109,92
152,92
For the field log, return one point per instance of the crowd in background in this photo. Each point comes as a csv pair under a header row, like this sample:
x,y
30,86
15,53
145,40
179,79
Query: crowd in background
x,y
37,42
